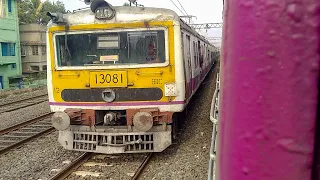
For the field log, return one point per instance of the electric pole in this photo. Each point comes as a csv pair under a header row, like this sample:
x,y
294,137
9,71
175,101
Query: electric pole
x,y
189,18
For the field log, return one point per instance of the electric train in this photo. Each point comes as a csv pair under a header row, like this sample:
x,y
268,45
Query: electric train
x,y
118,76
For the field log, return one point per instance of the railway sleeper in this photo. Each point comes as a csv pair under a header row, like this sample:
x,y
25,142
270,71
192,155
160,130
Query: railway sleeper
x,y
39,125
24,133
9,136
31,129
45,123
5,143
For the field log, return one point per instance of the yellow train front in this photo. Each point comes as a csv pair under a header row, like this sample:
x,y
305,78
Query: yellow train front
x,y
115,78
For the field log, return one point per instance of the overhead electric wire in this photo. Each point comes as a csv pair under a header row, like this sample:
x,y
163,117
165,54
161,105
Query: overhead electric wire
x,y
182,8
177,7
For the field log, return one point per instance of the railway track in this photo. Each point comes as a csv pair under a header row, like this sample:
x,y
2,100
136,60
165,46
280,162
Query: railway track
x,y
85,157
16,135
141,167
12,106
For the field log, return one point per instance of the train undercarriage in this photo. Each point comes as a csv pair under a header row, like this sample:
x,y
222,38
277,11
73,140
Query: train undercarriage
x,y
113,132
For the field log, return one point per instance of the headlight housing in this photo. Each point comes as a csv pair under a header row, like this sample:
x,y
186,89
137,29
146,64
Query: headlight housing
x,y
105,12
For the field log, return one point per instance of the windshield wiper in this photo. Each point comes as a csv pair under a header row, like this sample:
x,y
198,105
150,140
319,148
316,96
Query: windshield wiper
x,y
66,48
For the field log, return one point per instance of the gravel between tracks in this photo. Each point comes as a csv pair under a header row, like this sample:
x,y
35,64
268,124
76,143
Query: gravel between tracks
x,y
36,160
120,167
8,119
188,157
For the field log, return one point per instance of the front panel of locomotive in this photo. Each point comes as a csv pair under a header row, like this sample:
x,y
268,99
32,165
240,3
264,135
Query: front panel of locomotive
x,y
114,79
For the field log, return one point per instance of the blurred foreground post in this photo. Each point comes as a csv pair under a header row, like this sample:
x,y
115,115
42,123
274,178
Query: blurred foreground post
x,y
269,90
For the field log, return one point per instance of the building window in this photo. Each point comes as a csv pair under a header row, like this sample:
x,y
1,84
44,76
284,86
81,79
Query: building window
x,y
2,8
43,50
8,49
35,68
35,50
23,51
9,6
44,68
13,66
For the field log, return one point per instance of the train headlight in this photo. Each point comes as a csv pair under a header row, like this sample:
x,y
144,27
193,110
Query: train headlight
x,y
102,9
99,13
60,121
105,12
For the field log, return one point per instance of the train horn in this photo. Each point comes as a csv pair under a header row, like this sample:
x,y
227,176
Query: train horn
x,y
87,2
56,17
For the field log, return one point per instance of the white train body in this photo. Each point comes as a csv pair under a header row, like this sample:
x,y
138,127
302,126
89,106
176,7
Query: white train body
x,y
129,109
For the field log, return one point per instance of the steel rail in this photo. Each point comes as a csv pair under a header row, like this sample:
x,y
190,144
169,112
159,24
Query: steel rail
x,y
141,168
19,143
84,158
74,165
10,103
5,133
26,123
19,107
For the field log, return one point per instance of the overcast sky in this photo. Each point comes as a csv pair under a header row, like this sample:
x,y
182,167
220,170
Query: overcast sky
x,y
207,11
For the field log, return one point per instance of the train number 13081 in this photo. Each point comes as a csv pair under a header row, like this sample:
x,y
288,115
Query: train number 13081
x,y
108,79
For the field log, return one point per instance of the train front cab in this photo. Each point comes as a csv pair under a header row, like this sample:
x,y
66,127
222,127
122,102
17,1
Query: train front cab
x,y
125,106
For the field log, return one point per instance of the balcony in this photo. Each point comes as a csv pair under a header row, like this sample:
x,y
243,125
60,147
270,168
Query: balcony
x,y
4,60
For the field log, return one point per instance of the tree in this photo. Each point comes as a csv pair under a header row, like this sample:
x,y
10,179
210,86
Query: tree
x,y
27,11
126,4
50,7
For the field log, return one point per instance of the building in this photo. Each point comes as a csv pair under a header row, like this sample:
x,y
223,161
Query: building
x,y
10,59
33,48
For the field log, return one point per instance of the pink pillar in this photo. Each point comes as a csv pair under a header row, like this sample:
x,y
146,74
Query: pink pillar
x,y
269,77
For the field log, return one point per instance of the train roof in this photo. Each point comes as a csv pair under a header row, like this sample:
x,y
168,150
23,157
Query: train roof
x,y
123,14
127,14
188,28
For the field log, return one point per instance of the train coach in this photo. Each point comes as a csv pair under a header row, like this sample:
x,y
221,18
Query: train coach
x,y
118,75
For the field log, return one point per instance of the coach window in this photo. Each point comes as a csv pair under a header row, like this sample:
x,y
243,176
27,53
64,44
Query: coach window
x,y
205,50
120,48
188,46
182,41
197,51
195,54
182,46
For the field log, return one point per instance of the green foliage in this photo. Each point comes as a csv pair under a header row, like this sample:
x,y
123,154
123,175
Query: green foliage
x,y
27,11
126,4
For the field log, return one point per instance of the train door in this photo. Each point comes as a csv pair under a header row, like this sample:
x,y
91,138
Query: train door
x,y
194,69
198,68
189,66
1,83
202,60
185,64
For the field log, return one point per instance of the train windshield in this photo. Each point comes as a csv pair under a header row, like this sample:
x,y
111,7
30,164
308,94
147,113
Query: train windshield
x,y
138,47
